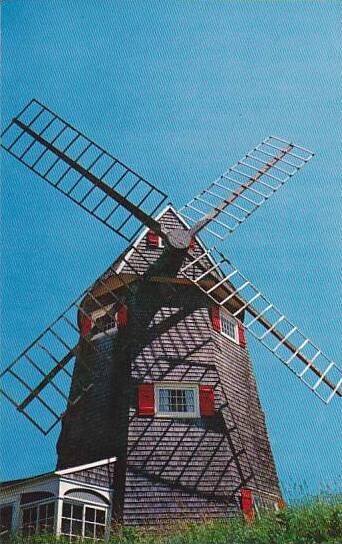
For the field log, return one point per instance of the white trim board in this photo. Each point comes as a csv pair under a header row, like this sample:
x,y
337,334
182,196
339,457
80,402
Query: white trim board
x,y
85,467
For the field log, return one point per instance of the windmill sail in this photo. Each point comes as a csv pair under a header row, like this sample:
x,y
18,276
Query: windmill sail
x,y
244,187
41,382
267,324
83,171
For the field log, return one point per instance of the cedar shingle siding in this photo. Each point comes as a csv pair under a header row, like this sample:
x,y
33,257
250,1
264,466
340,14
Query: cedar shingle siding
x,y
102,475
190,468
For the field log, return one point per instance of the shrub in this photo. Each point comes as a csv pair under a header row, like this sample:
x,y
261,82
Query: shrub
x,y
316,522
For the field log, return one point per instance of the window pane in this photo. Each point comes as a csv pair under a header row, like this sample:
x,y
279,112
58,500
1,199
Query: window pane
x,y
42,527
163,400
51,509
66,525
42,511
46,517
100,516
100,531
26,516
77,511
6,518
89,529
90,514
49,525
76,527
66,510
228,326
189,400
105,323
33,512
176,400
29,521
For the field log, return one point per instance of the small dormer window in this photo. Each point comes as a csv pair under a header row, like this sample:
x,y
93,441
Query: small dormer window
x,y
103,321
229,327
180,401
153,240
176,400
223,322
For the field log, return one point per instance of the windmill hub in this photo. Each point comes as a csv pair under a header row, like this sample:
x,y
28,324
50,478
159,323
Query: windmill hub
x,y
179,238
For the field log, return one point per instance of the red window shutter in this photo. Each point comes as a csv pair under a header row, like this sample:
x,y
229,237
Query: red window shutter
x,y
122,316
281,504
146,399
247,502
242,336
152,239
86,324
206,400
215,318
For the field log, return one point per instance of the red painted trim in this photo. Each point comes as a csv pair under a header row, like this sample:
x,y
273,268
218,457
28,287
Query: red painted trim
x,y
122,316
242,336
247,502
281,504
206,400
86,324
152,239
215,318
146,399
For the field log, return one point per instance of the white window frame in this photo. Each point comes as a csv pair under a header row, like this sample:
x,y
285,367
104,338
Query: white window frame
x,y
97,314
224,315
181,386
38,504
84,505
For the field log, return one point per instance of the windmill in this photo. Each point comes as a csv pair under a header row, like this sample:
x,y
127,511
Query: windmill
x,y
150,362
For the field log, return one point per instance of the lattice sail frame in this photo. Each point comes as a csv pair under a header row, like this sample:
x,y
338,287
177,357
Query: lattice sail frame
x,y
245,186
82,170
38,381
223,282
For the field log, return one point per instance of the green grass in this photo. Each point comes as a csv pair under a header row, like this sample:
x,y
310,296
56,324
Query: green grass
x,y
316,522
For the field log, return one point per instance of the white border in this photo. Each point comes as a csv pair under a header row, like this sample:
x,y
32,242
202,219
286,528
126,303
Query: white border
x,y
85,467
178,415
229,316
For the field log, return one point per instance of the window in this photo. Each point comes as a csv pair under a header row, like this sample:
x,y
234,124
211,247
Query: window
x,y
254,504
153,240
228,326
264,502
38,518
104,320
6,513
177,400
105,323
80,520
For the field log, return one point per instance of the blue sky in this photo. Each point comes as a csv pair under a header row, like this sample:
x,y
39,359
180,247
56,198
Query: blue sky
x,y
180,90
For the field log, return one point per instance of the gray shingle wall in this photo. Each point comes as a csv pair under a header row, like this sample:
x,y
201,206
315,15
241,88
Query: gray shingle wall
x,y
237,378
102,475
87,430
171,468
